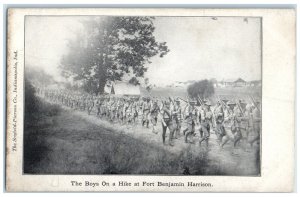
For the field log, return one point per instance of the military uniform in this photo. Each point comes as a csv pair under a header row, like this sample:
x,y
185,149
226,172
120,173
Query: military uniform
x,y
167,122
205,130
128,112
154,114
228,122
90,105
256,116
146,112
236,125
178,117
220,130
135,109
191,117
98,106
208,115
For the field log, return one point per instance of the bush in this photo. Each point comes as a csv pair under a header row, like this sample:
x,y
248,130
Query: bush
x,y
203,89
31,101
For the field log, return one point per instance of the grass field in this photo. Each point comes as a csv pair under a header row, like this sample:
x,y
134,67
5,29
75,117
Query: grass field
x,y
62,141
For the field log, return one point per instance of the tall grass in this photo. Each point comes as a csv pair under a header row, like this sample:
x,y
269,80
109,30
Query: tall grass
x,y
38,114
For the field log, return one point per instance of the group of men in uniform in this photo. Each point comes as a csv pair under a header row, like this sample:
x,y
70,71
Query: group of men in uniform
x,y
234,121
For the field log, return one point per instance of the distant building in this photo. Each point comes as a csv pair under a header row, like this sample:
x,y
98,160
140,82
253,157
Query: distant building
x,y
122,89
233,83
240,83
255,83
179,84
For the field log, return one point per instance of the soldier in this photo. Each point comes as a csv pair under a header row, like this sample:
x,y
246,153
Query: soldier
x,y
178,117
205,129
82,103
135,108
107,107
112,110
201,115
153,114
220,130
256,118
245,118
104,107
232,121
228,120
128,112
146,112
167,122
121,110
209,114
98,106
191,117
71,101
90,105
236,127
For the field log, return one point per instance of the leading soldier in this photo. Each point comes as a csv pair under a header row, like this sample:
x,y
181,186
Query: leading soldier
x,y
256,118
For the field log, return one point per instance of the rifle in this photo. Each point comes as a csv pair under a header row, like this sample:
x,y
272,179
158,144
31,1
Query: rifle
x,y
171,100
199,100
254,103
163,121
240,108
224,106
183,100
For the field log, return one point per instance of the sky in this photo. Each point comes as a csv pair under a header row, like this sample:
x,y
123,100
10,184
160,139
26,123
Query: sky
x,y
200,47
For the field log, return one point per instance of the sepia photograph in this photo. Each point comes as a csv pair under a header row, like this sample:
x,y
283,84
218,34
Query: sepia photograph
x,y
142,95
150,100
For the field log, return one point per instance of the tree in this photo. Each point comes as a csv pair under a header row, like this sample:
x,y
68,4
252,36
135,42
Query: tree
x,y
202,89
110,47
38,76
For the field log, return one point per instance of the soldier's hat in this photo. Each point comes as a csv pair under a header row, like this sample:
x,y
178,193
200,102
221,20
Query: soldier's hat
x,y
192,102
225,100
231,103
177,100
167,103
248,106
242,102
207,103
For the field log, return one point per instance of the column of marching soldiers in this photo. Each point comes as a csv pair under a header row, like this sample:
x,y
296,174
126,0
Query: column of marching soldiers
x,y
232,121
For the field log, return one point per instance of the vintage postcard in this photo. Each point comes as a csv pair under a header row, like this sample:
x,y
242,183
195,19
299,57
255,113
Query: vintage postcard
x,y
151,100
